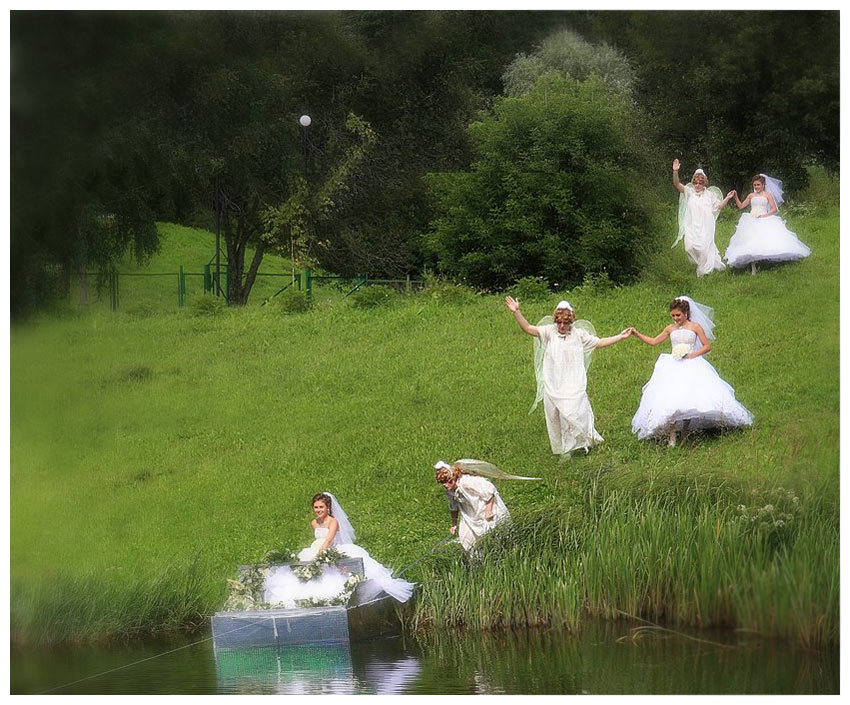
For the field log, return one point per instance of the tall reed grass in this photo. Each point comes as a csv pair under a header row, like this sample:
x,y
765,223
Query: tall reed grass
x,y
692,559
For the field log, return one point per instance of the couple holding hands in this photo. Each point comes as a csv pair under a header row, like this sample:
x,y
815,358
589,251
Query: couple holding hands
x,y
684,393
761,235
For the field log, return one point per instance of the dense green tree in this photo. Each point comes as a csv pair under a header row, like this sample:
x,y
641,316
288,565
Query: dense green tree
x,y
735,92
86,173
553,191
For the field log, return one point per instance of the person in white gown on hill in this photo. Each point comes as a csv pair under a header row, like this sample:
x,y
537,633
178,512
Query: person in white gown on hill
x,y
331,528
562,377
685,392
761,235
699,205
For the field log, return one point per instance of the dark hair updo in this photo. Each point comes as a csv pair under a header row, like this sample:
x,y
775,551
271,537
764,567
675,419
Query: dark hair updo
x,y
326,498
683,306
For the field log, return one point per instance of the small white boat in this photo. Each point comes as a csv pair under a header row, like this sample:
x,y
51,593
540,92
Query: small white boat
x,y
370,613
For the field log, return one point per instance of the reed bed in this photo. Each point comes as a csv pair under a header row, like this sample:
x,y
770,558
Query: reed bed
x,y
699,561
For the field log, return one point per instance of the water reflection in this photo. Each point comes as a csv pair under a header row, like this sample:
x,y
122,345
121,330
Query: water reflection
x,y
311,669
601,658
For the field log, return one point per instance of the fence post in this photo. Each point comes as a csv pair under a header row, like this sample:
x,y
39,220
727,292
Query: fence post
x,y
208,285
407,284
113,290
181,287
308,284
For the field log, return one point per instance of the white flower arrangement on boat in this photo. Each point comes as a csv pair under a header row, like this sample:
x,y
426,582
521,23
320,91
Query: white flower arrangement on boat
x,y
313,569
342,598
246,591
680,350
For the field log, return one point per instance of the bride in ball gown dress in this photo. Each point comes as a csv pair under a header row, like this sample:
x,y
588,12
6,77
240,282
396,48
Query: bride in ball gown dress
x,y
331,527
761,235
685,392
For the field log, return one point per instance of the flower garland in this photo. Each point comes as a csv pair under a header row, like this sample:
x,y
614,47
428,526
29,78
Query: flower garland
x,y
330,556
247,590
342,598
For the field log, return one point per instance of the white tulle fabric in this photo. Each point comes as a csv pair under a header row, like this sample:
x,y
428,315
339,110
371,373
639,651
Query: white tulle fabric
x,y
764,239
686,390
697,215
283,586
774,188
345,531
569,416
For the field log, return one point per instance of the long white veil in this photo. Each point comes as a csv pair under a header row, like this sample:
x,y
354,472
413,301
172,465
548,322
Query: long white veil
x,y
346,530
482,468
774,188
702,314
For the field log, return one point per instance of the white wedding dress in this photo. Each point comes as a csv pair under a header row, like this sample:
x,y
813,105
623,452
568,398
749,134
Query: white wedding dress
x,y
686,390
763,239
569,416
283,586
469,499
698,213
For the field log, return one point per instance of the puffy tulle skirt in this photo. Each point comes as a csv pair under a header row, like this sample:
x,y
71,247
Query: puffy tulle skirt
x,y
284,586
763,240
686,390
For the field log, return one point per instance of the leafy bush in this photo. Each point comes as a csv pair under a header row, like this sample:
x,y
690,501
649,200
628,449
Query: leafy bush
x,y
201,305
553,192
373,296
293,301
594,285
446,291
530,289
566,53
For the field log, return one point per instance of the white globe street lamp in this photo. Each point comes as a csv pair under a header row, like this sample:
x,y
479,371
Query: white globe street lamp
x,y
305,120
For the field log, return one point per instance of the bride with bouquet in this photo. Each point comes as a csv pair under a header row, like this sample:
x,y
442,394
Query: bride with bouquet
x,y
685,392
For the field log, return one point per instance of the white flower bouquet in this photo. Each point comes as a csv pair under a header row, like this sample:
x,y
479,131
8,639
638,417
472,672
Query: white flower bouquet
x,y
680,350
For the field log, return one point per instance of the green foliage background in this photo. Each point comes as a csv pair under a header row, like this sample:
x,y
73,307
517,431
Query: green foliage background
x,y
554,191
118,120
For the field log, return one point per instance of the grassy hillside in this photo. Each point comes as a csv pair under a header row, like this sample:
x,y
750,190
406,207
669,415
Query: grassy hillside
x,y
150,454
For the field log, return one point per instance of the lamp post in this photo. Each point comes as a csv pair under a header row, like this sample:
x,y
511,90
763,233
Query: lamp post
x,y
305,121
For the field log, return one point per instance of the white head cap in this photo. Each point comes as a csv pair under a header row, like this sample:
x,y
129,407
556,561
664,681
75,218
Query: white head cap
x,y
699,171
442,464
564,304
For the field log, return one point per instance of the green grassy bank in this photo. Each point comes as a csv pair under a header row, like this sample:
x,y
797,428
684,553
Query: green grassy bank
x,y
153,452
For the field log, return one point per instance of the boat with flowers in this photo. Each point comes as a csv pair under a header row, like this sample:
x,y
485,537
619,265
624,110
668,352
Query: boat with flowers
x,y
359,610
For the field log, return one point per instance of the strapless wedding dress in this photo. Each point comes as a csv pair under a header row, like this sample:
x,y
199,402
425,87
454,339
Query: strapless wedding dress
x,y
686,390
283,586
763,239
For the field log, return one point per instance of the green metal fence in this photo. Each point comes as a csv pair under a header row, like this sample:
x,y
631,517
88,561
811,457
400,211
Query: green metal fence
x,y
163,290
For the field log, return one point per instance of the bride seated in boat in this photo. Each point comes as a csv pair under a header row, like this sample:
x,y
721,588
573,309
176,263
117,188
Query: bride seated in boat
x,y
331,528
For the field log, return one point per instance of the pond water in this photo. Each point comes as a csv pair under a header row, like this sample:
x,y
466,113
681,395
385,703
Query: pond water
x,y
607,658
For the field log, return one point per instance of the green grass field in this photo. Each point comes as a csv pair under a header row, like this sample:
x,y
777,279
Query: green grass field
x,y
154,449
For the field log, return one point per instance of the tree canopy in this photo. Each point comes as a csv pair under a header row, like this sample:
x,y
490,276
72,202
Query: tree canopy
x,y
551,192
122,118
